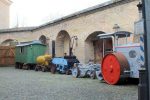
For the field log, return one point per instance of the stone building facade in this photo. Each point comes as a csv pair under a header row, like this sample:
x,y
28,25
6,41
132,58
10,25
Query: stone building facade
x,y
82,28
4,13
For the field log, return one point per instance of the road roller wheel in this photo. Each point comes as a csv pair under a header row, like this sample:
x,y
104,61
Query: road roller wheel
x,y
113,67
53,69
43,69
36,69
76,72
28,67
93,75
20,66
16,65
68,72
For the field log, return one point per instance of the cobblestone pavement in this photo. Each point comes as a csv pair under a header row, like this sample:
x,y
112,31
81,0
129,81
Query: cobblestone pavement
x,y
16,84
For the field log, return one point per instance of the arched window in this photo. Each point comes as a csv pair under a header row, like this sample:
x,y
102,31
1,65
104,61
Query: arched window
x,y
43,39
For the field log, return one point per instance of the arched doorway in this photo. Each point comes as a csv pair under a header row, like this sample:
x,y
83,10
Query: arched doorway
x,y
9,42
93,47
62,43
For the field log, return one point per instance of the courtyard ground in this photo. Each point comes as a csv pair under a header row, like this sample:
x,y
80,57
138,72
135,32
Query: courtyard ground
x,y
16,84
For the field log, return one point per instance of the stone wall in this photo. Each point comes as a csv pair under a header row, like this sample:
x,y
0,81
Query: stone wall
x,y
4,13
124,14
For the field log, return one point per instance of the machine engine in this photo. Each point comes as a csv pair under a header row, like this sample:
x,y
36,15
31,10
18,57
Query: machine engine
x,y
123,61
64,64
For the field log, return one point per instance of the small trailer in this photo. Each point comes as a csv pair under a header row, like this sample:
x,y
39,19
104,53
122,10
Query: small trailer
x,y
85,70
26,54
43,63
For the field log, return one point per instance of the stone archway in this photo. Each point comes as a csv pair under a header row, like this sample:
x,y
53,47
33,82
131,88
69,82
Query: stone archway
x,y
62,43
93,47
9,42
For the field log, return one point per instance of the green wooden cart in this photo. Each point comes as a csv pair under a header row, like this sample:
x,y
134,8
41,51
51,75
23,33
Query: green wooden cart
x,y
26,54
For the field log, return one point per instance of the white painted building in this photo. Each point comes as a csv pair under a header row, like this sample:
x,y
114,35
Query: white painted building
x,y
4,13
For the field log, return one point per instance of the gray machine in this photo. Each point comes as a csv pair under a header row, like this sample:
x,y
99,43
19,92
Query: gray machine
x,y
122,60
85,70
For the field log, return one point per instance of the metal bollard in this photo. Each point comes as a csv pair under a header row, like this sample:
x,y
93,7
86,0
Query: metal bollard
x,y
142,91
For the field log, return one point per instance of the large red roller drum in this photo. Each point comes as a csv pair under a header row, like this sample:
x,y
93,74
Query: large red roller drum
x,y
113,68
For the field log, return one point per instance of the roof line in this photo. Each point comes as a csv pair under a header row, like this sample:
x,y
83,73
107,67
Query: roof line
x,y
77,14
83,12
21,29
74,15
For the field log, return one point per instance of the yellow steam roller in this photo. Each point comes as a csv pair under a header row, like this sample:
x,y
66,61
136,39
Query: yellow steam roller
x,y
43,63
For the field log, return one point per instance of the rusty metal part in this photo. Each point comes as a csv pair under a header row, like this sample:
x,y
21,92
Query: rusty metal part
x,y
26,66
53,69
68,72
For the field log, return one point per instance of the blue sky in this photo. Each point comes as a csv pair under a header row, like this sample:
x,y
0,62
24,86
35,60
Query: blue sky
x,y
37,12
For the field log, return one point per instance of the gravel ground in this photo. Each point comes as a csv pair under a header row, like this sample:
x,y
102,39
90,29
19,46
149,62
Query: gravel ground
x,y
16,84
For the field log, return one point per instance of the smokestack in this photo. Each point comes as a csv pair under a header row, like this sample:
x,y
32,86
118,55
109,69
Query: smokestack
x,y
140,10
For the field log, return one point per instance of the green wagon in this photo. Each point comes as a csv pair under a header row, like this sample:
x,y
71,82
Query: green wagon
x,y
26,54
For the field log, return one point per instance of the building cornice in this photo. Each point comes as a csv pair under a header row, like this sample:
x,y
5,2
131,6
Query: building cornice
x,y
90,10
87,11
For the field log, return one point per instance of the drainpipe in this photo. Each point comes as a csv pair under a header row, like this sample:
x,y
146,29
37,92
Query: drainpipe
x,y
53,48
144,72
